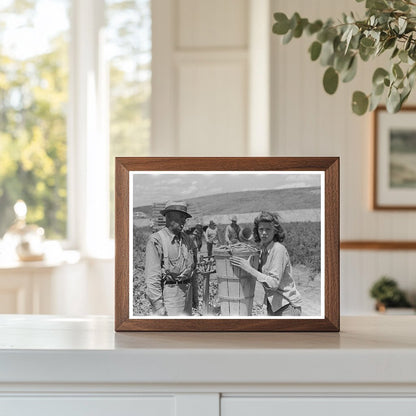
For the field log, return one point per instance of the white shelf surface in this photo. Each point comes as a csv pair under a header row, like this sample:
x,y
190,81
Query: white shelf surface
x,y
53,349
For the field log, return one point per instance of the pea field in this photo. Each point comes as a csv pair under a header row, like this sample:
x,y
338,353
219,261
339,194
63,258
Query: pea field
x,y
303,242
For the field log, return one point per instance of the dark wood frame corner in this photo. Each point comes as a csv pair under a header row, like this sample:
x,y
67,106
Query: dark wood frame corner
x,y
375,205
329,165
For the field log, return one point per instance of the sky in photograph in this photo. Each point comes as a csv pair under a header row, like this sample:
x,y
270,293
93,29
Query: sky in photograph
x,y
161,187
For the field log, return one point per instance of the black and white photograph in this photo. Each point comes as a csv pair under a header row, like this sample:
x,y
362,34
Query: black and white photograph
x,y
226,244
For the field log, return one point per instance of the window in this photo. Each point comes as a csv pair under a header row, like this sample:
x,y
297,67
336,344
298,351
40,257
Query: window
x,y
33,97
75,86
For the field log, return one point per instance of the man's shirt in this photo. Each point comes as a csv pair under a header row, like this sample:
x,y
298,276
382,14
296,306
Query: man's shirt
x,y
180,259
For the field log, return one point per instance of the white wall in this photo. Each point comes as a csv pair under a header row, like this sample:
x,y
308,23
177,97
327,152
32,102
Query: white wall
x,y
200,77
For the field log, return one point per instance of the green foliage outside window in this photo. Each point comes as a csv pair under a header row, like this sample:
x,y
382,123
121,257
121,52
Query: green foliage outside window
x,y
34,103
33,97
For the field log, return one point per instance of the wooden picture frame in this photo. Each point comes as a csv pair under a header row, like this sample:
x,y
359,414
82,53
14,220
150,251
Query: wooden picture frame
x,y
394,158
138,178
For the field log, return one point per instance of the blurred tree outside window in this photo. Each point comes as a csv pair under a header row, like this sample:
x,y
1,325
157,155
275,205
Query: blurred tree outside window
x,y
33,101
129,52
34,94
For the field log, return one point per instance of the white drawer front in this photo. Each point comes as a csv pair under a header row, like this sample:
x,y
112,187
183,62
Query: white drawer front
x,y
87,406
272,406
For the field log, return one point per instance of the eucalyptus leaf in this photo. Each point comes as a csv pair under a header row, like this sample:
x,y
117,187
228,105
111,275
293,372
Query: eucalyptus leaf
x,y
366,53
400,5
411,78
395,52
376,4
393,101
376,36
403,56
355,41
378,89
294,20
322,35
341,62
389,43
397,71
346,34
351,71
281,26
359,103
402,22
315,50
337,43
353,31
327,54
367,42
314,27
404,96
330,80
288,37
350,18
298,30
394,26
374,102
379,75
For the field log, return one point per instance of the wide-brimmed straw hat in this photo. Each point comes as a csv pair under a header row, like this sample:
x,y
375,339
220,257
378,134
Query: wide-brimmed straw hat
x,y
176,206
233,218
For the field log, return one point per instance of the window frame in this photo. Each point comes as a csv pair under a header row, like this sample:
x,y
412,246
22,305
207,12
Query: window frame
x,y
87,133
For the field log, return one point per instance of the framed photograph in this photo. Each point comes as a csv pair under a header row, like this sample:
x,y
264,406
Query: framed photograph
x,y
395,159
227,244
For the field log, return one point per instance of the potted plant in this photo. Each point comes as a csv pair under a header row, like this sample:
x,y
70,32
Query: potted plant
x,y
387,294
389,27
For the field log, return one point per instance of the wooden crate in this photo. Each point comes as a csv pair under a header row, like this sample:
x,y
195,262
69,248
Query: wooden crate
x,y
235,286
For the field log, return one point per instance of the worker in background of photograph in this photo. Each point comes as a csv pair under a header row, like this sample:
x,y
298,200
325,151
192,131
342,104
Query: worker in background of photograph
x,y
275,269
211,235
232,231
170,265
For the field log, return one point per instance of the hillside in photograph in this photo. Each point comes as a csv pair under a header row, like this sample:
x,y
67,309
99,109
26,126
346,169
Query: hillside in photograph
x,y
252,201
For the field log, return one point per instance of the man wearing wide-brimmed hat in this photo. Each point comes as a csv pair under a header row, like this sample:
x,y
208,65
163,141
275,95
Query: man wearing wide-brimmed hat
x,y
169,264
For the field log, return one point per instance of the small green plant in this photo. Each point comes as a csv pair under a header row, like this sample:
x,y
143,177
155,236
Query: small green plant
x,y
387,293
389,26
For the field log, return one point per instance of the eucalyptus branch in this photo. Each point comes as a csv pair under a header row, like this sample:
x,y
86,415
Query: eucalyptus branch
x,y
388,25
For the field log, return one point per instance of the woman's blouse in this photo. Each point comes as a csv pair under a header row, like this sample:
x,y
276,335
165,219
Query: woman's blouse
x,y
276,277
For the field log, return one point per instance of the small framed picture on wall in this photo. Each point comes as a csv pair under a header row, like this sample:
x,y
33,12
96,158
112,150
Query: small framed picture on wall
x,y
394,179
